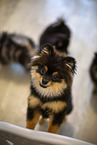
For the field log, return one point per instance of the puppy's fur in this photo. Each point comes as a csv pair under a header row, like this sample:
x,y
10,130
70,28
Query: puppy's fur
x,y
93,72
57,34
51,82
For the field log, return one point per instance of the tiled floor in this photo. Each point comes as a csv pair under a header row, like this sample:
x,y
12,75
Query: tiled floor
x,y
31,18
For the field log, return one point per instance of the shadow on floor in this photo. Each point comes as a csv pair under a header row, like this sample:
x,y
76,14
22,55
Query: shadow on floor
x,y
14,72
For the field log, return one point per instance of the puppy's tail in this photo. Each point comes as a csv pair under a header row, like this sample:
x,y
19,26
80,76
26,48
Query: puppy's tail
x,y
59,23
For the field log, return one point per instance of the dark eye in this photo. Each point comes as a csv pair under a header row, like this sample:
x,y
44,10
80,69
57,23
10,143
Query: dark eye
x,y
42,71
56,77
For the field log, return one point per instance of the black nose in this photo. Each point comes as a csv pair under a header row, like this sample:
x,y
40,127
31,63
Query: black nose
x,y
45,81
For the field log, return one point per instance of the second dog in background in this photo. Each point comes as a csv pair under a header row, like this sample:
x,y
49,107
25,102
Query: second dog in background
x,y
58,34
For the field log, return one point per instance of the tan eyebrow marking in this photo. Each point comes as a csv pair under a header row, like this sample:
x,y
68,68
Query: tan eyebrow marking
x,y
46,68
55,73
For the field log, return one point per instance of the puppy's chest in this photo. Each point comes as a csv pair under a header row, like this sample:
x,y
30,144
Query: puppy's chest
x,y
54,106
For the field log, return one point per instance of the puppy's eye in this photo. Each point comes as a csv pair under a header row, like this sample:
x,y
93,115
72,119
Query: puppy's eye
x,y
42,71
56,77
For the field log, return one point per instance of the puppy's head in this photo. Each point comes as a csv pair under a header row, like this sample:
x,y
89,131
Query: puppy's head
x,y
51,73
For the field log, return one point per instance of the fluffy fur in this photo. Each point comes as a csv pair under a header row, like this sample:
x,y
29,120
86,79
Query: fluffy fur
x,y
51,82
57,34
15,48
93,72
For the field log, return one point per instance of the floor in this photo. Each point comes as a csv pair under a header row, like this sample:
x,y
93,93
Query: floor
x,y
31,18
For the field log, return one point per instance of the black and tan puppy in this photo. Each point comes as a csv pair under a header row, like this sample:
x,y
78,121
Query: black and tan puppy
x,y
93,72
15,48
57,34
51,82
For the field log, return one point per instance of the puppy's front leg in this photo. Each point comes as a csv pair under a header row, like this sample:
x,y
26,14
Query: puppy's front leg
x,y
55,121
33,112
32,117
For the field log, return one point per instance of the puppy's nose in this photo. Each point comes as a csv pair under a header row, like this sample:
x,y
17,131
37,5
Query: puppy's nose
x,y
45,81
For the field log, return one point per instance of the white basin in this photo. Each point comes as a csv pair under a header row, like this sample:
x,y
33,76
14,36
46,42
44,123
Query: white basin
x,y
14,135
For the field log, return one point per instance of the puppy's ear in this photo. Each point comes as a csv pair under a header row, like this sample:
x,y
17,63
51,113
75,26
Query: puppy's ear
x,y
47,48
70,62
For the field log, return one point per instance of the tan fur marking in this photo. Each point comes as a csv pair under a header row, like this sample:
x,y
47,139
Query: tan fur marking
x,y
55,73
55,106
46,68
31,123
33,102
49,83
52,128
41,77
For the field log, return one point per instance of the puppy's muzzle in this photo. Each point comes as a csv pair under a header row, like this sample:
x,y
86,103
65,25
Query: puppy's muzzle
x,y
44,82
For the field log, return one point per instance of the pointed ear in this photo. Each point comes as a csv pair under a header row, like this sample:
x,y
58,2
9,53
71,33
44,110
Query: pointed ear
x,y
70,63
47,48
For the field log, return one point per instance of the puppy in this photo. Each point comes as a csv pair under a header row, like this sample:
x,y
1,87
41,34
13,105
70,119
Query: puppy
x,y
51,83
15,48
93,72
57,34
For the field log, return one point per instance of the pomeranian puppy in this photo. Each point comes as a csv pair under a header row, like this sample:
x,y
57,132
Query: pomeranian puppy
x,y
93,72
51,83
15,48
57,34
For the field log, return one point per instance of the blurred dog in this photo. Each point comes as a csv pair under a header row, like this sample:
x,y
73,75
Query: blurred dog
x,y
58,34
16,48
51,83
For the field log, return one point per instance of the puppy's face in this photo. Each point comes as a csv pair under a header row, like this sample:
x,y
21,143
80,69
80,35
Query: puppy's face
x,y
51,73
